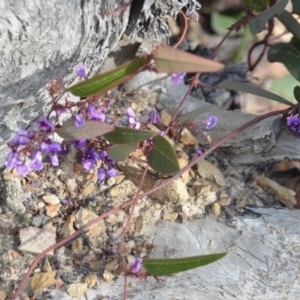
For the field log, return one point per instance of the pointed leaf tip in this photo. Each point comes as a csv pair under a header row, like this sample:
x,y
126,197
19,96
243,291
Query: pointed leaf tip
x,y
162,267
170,60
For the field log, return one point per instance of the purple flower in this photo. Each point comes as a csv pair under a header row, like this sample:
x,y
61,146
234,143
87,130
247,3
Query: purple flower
x,y
13,160
154,117
79,144
80,71
101,174
293,123
45,125
79,120
53,150
36,162
94,115
23,170
199,152
112,172
132,119
89,158
136,265
211,122
178,77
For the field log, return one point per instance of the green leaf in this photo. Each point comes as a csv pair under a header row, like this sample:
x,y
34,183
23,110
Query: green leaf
x,y
257,24
162,157
126,135
121,152
284,87
162,267
297,93
170,60
247,88
288,54
290,23
104,82
221,21
296,6
200,110
90,129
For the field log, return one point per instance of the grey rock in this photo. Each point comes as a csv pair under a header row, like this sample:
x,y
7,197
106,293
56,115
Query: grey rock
x,y
12,194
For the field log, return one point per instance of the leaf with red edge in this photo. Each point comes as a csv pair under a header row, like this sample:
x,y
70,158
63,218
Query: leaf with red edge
x,y
104,82
90,129
170,60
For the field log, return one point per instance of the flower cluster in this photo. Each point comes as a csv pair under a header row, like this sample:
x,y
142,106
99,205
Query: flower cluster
x,y
91,157
293,123
28,148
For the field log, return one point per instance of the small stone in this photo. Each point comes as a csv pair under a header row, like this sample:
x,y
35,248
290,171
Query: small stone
x,y
77,246
52,210
216,209
83,216
223,194
225,201
36,240
68,227
186,208
87,189
241,204
51,199
209,171
50,227
183,161
108,276
285,196
90,280
170,216
139,223
91,177
71,184
95,265
4,294
119,178
77,289
187,138
41,281
47,266
165,118
112,265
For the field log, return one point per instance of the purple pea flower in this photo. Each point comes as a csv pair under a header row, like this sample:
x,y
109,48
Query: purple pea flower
x,y
80,71
53,149
79,144
36,162
23,170
79,120
132,119
136,265
211,122
199,152
154,117
112,172
101,174
14,160
178,77
89,158
293,123
45,125
94,115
